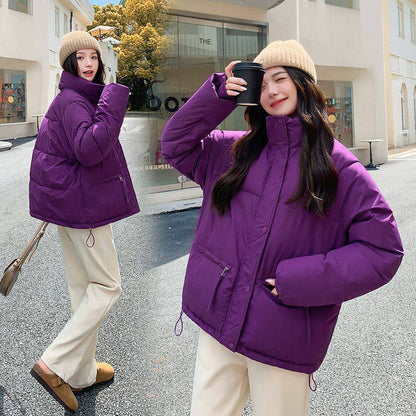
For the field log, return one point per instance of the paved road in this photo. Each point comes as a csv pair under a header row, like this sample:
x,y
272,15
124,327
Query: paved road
x,y
369,369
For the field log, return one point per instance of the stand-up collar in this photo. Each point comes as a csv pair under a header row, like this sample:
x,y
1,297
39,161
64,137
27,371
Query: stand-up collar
x,y
284,130
90,90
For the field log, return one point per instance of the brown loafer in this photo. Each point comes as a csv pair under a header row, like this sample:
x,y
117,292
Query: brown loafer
x,y
56,387
105,373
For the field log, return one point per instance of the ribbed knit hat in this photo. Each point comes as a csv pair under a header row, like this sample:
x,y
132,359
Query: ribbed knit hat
x,y
286,53
74,41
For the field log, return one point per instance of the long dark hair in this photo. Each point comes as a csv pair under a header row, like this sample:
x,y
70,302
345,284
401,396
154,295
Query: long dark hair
x,y
318,178
71,65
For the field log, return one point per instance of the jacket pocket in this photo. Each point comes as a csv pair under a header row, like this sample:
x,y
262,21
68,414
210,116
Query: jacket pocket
x,y
106,199
124,185
208,287
277,330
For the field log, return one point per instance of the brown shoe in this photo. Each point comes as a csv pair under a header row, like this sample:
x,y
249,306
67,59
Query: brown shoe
x,y
58,389
105,372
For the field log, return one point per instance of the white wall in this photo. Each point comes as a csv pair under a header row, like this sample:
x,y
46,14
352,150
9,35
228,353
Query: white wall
x,y
28,43
403,71
17,52
345,45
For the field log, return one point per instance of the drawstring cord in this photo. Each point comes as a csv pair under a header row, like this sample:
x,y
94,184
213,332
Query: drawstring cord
x,y
90,245
179,321
313,386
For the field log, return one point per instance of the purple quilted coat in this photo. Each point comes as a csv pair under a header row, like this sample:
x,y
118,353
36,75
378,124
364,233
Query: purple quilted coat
x,y
79,176
317,263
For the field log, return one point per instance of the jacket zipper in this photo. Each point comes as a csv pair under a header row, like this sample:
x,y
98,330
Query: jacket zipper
x,y
224,268
123,184
214,260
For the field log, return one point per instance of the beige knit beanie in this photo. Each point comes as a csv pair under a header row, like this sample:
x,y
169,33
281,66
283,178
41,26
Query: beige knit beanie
x,y
74,41
286,53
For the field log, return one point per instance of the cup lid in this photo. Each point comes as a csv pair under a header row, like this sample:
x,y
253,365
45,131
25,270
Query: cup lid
x,y
248,65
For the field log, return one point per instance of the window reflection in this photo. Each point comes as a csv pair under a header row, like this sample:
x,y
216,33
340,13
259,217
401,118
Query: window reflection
x,y
198,48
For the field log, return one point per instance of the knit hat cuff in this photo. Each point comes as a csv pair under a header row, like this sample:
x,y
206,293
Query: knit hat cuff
x,y
74,41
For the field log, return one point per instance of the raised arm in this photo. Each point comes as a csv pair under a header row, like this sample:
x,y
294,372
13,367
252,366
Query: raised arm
x,y
186,138
92,138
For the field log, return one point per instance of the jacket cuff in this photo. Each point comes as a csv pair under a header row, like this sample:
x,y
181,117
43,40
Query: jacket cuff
x,y
218,80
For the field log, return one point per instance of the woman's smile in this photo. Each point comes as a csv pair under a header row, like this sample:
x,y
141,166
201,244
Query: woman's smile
x,y
276,103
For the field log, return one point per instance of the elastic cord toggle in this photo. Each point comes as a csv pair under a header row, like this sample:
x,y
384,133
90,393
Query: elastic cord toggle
x,y
312,383
180,322
91,243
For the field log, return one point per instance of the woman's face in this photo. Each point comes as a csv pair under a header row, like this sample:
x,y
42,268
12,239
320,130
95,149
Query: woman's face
x,y
87,60
278,92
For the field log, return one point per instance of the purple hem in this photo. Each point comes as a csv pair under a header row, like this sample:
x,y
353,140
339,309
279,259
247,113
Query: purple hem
x,y
253,355
84,226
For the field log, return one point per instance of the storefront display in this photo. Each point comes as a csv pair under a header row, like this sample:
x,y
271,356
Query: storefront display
x,y
339,106
12,96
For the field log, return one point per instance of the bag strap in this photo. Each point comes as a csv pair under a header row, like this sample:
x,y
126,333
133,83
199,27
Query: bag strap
x,y
33,243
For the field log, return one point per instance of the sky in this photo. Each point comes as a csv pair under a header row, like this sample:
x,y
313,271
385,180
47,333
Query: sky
x,y
103,2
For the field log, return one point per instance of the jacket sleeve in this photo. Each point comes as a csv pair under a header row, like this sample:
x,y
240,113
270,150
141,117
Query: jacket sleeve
x,y
369,259
92,138
187,137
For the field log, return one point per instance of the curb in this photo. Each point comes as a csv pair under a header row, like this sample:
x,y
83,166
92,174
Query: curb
x,y
5,146
176,206
405,151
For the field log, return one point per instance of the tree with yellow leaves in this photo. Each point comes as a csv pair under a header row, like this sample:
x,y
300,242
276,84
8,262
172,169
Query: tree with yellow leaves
x,y
141,28
110,15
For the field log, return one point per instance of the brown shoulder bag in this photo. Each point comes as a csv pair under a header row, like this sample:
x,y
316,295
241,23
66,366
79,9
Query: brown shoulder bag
x,y
12,271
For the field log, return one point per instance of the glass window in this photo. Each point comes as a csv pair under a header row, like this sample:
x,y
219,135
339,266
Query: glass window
x,y
400,19
66,23
339,105
350,4
24,6
13,96
57,28
403,107
414,106
199,48
412,27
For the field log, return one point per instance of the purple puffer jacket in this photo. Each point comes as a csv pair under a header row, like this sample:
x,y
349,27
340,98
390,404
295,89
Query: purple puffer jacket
x,y
79,176
317,263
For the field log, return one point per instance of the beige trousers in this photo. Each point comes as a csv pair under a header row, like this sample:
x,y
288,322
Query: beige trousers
x,y
223,380
94,286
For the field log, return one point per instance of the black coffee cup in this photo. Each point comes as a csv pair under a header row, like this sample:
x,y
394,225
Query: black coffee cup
x,y
253,74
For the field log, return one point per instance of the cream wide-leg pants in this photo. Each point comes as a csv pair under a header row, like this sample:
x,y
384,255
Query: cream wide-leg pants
x,y
223,380
94,286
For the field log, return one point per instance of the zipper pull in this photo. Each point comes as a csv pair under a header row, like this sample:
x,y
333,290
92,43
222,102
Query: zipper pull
x,y
226,269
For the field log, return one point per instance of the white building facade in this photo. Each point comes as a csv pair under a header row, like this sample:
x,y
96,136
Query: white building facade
x,y
345,38
402,62
29,59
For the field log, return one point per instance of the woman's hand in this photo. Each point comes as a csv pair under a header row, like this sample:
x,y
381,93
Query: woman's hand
x,y
272,282
233,85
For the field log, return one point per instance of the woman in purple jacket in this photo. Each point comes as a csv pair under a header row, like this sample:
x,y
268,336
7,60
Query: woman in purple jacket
x,y
79,180
291,226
